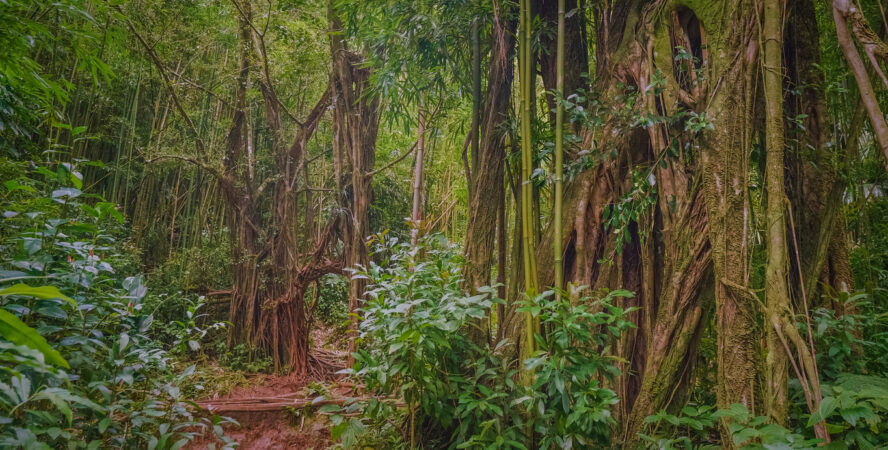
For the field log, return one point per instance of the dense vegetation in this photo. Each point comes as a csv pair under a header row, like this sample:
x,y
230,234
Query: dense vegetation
x,y
516,224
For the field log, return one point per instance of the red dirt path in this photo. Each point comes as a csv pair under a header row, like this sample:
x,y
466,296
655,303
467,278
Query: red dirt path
x,y
265,423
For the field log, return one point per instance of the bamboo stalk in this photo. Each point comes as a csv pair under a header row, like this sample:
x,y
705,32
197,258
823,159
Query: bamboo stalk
x,y
416,216
527,347
559,154
527,157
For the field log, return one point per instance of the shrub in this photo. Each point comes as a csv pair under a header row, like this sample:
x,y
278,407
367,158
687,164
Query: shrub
x,y
80,366
415,345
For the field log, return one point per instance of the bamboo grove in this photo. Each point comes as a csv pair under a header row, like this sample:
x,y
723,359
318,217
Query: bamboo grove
x,y
725,162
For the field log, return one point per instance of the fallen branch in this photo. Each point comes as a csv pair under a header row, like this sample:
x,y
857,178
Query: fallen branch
x,y
270,404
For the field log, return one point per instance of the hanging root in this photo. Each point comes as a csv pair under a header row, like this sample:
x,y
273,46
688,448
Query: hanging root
x,y
323,364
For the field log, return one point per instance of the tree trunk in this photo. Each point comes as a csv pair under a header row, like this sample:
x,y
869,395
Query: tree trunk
x,y
694,237
488,174
576,59
725,161
356,124
776,288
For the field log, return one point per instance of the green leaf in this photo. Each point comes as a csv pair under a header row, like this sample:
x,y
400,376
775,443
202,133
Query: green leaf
x,y
42,292
103,424
13,185
17,332
329,408
59,403
827,406
76,179
854,413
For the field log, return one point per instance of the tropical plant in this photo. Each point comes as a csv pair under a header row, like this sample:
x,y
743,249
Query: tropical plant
x,y
81,366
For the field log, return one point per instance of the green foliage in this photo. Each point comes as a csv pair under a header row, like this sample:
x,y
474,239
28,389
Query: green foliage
x,y
240,359
569,404
416,48
838,336
415,344
189,332
377,425
695,426
332,306
29,90
414,334
855,408
110,384
201,268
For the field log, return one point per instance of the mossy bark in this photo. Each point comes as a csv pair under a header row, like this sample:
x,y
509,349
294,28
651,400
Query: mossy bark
x,y
725,173
776,286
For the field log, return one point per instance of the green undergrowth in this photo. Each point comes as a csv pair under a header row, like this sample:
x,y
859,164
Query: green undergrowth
x,y
416,346
81,362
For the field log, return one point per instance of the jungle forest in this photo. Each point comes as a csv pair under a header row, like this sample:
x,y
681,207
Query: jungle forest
x,y
443,224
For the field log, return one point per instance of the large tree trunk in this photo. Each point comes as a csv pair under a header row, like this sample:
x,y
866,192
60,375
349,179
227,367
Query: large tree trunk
x,y
692,244
776,277
813,187
725,161
488,174
355,124
576,53
273,267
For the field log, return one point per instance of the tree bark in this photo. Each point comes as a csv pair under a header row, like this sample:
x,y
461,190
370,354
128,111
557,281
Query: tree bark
x,y
356,125
845,11
576,59
488,174
725,161
776,288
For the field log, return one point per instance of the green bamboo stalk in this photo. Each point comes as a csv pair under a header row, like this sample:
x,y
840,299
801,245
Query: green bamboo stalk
x,y
559,152
134,109
528,344
115,186
530,279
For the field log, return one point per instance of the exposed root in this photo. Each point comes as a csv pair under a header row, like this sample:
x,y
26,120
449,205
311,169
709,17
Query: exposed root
x,y
324,364
268,404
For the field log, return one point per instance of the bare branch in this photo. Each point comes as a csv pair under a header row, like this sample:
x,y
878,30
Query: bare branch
x,y
261,48
204,89
841,10
397,160
210,169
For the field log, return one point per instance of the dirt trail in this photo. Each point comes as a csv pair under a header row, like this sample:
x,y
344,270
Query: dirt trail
x,y
269,409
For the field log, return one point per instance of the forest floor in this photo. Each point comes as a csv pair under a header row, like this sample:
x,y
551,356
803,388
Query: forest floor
x,y
279,411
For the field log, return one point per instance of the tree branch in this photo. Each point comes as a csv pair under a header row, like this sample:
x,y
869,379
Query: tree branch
x,y
261,48
212,170
397,160
841,10
167,82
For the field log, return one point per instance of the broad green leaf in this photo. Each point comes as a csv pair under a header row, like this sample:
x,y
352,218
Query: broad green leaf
x,y
17,332
42,292
66,192
827,406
